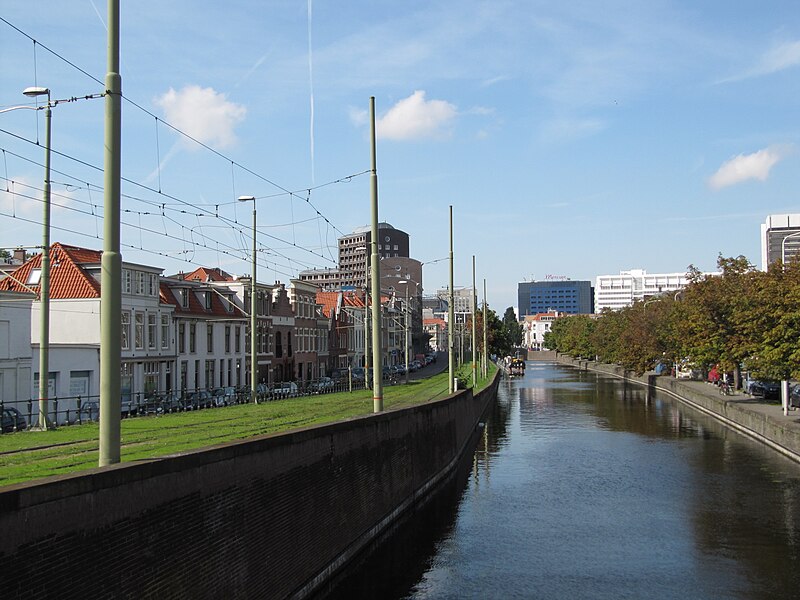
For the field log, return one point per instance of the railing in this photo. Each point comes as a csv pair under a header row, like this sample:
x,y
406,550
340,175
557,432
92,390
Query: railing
x,y
76,410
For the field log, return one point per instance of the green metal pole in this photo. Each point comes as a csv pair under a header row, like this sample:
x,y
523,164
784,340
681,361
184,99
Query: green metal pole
x,y
253,320
451,317
366,318
474,343
377,379
408,314
111,262
485,336
44,284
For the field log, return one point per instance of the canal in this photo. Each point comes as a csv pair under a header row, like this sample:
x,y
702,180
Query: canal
x,y
581,487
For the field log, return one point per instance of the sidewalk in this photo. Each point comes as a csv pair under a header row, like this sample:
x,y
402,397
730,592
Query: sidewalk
x,y
755,417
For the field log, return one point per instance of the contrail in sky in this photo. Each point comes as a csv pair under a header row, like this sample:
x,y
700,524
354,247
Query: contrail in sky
x,y
311,87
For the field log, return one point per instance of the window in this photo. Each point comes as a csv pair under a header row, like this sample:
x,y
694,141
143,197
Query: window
x,y
126,281
289,343
152,332
227,339
139,331
153,284
165,331
184,298
208,300
140,283
34,277
278,345
126,331
210,337
237,347
192,337
182,338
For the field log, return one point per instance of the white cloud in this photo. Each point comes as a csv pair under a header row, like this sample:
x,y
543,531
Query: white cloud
x,y
417,118
747,166
203,113
567,129
782,56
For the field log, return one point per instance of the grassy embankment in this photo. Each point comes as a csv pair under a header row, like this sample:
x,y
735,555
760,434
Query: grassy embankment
x,y
27,455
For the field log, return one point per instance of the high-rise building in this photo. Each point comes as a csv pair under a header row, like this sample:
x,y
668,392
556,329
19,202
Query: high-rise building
x,y
354,251
780,239
562,295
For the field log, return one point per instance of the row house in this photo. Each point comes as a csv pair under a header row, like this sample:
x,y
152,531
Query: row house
x,y
210,334
16,358
534,328
241,289
339,324
147,345
303,299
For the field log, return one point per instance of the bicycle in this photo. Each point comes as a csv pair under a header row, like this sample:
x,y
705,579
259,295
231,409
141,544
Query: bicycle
x,y
725,388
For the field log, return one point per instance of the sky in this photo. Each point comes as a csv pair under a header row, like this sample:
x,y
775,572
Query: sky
x,y
571,139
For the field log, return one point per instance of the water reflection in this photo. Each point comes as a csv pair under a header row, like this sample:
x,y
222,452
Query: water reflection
x,y
581,486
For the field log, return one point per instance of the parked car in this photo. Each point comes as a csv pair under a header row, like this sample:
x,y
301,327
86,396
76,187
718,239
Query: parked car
x,y
322,385
12,420
224,396
767,389
358,374
89,411
794,396
170,402
197,400
287,389
128,406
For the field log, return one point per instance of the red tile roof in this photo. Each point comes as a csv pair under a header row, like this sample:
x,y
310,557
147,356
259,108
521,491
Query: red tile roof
x,y
207,274
329,302
219,308
68,277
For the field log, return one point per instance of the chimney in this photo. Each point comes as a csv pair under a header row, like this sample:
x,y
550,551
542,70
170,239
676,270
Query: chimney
x,y
19,255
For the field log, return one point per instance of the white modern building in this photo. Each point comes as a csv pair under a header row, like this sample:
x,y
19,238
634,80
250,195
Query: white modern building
x,y
780,239
618,291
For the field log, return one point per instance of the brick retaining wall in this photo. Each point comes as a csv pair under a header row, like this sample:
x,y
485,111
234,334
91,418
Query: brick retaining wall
x,y
267,517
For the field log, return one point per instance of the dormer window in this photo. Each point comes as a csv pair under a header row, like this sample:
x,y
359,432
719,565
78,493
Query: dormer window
x,y
184,298
208,300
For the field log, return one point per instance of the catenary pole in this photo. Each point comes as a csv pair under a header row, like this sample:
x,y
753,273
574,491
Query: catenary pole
x,y
485,346
451,349
474,329
111,261
377,379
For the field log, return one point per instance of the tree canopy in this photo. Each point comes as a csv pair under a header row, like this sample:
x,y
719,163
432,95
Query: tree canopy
x,y
741,317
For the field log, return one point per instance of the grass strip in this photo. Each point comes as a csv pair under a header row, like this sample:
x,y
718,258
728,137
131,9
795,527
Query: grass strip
x,y
25,456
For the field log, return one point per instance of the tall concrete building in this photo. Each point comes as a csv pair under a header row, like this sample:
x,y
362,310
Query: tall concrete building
x,y
562,295
354,251
780,239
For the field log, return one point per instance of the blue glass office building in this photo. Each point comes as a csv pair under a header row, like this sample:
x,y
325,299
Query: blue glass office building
x,y
574,297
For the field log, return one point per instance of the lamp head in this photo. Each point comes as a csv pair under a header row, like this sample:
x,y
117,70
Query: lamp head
x,y
247,198
32,92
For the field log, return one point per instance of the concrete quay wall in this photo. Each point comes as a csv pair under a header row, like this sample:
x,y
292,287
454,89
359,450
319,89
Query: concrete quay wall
x,y
753,417
268,517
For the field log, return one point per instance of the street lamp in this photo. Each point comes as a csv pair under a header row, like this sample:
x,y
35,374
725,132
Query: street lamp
x,y
366,313
407,315
44,280
253,316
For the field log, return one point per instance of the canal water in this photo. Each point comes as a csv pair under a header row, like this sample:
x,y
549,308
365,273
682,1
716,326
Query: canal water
x,y
581,487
